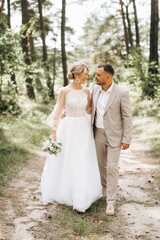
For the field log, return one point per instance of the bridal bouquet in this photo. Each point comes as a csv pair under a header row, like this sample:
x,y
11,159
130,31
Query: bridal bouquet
x,y
51,146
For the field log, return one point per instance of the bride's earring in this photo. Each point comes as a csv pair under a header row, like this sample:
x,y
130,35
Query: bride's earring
x,y
77,80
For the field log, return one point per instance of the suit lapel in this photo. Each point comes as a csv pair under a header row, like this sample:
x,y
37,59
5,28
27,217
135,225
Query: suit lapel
x,y
111,97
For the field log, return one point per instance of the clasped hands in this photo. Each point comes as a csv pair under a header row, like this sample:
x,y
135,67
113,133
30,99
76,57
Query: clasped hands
x,y
124,146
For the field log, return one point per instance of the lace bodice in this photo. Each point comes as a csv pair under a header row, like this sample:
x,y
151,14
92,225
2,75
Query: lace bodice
x,y
74,102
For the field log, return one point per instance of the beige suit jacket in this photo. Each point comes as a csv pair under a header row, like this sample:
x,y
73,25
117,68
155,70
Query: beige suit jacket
x,y
117,118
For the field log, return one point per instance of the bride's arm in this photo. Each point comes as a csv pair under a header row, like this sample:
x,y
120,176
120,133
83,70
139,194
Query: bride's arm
x,y
60,104
88,108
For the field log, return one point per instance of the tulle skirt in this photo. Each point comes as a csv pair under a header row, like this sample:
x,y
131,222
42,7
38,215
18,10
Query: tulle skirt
x,y
72,177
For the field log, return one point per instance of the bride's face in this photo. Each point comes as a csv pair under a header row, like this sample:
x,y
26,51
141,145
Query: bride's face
x,y
83,76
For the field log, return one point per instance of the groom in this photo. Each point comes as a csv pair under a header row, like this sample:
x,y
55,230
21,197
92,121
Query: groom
x,y
112,121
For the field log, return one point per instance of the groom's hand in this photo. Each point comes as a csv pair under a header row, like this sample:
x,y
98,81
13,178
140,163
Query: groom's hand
x,y
124,146
63,115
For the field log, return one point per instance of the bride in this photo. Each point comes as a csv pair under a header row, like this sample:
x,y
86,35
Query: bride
x,y
72,177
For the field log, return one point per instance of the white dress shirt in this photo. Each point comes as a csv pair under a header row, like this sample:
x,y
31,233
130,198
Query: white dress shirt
x,y
101,106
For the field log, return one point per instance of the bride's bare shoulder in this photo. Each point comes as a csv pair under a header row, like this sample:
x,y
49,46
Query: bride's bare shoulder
x,y
64,90
86,90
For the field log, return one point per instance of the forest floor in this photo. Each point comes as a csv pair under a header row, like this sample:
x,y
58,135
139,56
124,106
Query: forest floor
x,y
137,211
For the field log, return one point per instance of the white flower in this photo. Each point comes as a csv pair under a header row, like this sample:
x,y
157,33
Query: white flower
x,y
52,146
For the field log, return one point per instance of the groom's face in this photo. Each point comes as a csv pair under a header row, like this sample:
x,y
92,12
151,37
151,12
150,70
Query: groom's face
x,y
101,76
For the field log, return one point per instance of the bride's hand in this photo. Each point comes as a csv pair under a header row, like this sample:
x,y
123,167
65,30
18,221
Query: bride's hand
x,y
53,135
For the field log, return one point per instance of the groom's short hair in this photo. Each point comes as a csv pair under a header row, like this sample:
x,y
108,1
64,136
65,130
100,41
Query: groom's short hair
x,y
107,68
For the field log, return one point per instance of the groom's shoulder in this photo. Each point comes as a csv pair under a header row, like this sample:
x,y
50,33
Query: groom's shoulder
x,y
121,88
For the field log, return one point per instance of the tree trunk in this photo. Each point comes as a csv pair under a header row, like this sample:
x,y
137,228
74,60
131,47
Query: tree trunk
x,y
38,85
1,9
13,79
0,88
13,76
136,24
153,56
31,46
124,26
130,35
54,68
63,50
45,55
138,49
153,81
27,58
9,13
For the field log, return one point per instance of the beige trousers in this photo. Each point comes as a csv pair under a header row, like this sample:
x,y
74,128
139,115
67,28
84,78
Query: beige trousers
x,y
108,158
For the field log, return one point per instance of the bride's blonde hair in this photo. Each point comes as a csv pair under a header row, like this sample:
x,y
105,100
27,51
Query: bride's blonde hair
x,y
76,68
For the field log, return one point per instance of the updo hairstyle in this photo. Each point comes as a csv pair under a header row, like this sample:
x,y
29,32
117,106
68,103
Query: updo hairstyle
x,y
76,68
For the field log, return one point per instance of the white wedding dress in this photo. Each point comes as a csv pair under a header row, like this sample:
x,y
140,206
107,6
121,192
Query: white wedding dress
x,y
72,177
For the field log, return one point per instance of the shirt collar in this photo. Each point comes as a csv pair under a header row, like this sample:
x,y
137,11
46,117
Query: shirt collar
x,y
109,89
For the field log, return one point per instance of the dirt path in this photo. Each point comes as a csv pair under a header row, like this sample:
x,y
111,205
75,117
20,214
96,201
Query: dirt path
x,y
138,206
137,209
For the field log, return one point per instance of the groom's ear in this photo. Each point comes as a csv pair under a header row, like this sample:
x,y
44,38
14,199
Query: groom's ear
x,y
108,75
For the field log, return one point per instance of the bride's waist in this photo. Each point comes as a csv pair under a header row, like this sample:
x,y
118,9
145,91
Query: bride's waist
x,y
80,116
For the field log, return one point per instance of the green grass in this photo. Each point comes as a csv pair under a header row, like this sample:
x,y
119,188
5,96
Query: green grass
x,y
148,129
93,224
146,122
21,139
